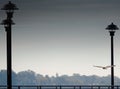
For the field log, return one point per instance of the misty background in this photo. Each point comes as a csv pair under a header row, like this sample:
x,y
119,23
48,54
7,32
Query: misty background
x,y
62,36
31,78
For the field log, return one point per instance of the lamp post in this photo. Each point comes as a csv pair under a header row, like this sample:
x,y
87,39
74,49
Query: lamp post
x,y
9,8
112,28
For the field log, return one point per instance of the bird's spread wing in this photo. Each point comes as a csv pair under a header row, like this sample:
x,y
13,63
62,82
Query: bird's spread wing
x,y
98,66
107,66
110,66
113,65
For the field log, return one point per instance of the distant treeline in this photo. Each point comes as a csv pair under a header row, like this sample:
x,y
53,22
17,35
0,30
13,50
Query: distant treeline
x,y
31,78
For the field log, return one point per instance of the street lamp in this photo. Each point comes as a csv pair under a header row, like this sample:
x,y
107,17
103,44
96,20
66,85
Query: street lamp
x,y
112,28
9,8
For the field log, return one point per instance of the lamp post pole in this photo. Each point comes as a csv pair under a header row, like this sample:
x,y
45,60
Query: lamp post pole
x,y
112,58
9,56
9,8
112,28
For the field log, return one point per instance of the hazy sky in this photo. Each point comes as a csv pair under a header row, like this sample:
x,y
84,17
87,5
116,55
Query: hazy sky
x,y
62,36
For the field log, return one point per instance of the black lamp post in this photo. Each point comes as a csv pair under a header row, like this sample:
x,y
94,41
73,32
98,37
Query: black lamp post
x,y
112,28
9,8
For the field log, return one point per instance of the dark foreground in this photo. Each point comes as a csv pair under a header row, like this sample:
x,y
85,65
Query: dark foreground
x,y
62,87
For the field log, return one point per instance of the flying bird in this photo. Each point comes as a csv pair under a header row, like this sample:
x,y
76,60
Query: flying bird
x,y
105,67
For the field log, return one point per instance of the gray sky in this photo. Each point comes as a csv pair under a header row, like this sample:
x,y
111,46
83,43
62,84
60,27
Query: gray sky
x,y
62,36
